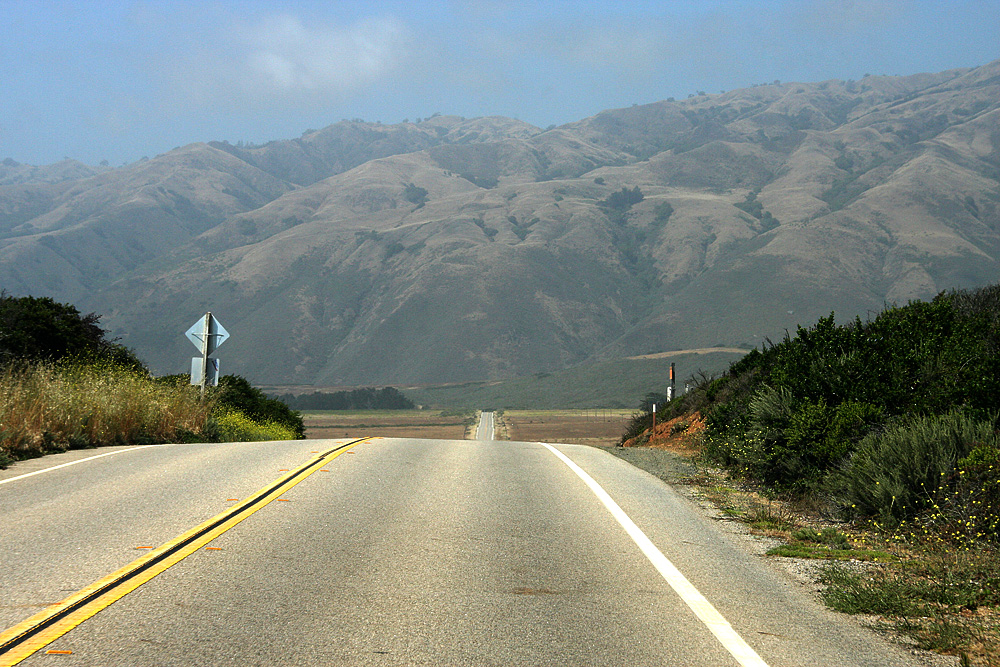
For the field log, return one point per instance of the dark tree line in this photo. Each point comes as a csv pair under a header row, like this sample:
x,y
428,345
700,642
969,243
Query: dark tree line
x,y
368,398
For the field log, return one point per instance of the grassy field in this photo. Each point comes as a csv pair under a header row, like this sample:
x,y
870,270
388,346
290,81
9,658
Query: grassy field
x,y
602,428
433,424
590,427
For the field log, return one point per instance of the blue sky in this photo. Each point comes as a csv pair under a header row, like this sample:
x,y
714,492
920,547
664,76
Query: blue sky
x,y
116,81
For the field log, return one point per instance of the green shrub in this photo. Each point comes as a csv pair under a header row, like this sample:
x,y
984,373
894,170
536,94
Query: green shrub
x,y
236,393
881,592
234,426
791,444
41,329
739,450
898,472
970,510
818,437
415,194
788,414
771,411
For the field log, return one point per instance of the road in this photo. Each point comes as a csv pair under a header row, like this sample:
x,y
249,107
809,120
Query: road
x,y
485,429
401,552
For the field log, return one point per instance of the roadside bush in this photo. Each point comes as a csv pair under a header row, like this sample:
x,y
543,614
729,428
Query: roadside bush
x,y
234,426
968,509
896,473
789,444
637,424
235,393
739,450
792,413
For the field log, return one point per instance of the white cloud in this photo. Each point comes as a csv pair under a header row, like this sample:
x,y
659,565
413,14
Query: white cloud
x,y
286,56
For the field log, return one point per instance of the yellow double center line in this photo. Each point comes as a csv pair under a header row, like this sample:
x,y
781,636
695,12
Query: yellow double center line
x,y
27,637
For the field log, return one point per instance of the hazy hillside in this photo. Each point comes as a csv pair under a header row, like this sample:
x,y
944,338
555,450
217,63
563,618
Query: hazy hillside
x,y
455,250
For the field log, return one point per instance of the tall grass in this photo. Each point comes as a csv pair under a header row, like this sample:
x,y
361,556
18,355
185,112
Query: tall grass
x,y
51,407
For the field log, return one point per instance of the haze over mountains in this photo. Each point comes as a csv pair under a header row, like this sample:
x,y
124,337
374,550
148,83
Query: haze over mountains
x,y
455,249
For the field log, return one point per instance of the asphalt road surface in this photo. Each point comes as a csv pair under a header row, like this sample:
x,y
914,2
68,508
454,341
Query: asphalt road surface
x,y
485,429
401,552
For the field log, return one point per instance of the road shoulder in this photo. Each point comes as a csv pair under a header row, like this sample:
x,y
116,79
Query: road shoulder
x,y
682,475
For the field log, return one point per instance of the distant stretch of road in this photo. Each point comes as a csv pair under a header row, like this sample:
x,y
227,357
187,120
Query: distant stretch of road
x,y
391,552
485,429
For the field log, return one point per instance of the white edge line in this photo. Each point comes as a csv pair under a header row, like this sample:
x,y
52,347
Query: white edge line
x,y
73,463
700,605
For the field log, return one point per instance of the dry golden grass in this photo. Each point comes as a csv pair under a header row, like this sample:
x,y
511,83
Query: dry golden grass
x,y
46,407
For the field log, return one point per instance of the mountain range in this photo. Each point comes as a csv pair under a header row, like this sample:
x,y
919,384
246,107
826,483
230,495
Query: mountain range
x,y
454,250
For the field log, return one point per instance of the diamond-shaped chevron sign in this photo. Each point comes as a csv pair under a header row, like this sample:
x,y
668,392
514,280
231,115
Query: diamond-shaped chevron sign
x,y
207,334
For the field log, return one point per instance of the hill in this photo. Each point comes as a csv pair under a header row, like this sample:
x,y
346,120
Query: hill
x,y
457,250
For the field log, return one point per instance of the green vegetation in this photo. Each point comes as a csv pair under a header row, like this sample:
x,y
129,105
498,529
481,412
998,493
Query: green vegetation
x,y
622,200
752,206
234,426
236,394
662,213
64,385
367,398
826,544
415,195
35,329
941,598
874,417
891,424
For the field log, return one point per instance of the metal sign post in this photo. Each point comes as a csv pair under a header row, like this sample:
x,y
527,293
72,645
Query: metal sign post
x,y
207,334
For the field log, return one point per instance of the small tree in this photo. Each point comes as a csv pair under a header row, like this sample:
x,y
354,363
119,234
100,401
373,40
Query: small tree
x,y
624,199
39,328
415,194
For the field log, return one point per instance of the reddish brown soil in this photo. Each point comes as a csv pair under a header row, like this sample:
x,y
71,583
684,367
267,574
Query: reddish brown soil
x,y
680,435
